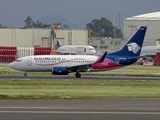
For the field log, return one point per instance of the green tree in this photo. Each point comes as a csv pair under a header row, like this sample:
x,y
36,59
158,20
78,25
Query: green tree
x,y
39,24
31,23
103,28
1,26
65,26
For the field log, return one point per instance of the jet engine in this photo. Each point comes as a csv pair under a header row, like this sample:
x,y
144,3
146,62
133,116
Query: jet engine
x,y
60,71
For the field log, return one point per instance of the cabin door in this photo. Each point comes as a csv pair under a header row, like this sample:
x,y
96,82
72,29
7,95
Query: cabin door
x,y
29,61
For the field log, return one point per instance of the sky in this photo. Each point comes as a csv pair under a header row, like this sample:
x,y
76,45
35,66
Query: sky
x,y
14,12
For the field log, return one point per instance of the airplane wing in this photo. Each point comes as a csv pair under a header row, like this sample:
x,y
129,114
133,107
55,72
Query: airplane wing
x,y
85,67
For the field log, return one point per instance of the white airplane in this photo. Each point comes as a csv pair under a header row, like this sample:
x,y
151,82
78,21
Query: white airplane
x,y
65,64
150,50
76,49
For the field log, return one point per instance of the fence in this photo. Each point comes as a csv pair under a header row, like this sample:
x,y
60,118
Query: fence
x,y
24,51
157,59
42,51
9,54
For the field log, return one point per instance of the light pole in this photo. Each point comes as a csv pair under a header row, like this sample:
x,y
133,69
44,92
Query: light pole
x,y
119,15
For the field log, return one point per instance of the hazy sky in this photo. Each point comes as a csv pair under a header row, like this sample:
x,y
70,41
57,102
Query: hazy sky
x,y
14,12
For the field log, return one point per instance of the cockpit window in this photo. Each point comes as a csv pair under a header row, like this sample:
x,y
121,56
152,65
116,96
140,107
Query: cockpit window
x,y
18,60
91,48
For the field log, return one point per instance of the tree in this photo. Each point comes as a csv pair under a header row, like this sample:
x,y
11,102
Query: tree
x,y
65,26
1,26
30,23
103,28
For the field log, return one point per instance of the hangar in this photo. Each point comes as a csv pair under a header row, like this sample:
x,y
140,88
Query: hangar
x,y
151,20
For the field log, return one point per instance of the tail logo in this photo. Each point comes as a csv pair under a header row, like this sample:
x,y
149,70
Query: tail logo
x,y
133,47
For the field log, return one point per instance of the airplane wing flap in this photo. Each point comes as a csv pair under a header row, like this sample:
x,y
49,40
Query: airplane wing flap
x,y
80,67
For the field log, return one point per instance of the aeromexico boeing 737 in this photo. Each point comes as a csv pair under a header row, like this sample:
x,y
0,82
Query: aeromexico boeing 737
x,y
65,64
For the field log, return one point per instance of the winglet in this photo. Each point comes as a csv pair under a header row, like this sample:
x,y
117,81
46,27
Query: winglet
x,y
102,58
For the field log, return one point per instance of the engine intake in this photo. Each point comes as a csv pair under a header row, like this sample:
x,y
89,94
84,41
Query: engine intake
x,y
60,71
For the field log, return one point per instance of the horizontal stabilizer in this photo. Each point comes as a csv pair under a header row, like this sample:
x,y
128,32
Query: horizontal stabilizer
x,y
138,57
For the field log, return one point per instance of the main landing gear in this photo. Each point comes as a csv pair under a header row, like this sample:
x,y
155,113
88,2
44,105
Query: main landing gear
x,y
25,74
78,75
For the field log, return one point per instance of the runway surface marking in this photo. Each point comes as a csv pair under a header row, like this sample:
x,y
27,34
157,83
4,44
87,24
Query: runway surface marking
x,y
80,107
69,77
79,112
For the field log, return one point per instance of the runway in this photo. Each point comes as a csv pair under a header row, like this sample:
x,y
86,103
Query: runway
x,y
80,109
72,77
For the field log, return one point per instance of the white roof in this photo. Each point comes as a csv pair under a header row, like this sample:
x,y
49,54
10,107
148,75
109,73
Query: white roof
x,y
148,16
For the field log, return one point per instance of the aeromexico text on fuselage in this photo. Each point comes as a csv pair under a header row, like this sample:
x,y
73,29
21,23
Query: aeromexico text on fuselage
x,y
48,58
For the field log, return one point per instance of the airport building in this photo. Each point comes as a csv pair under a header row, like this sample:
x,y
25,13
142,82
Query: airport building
x,y
41,37
151,20
16,43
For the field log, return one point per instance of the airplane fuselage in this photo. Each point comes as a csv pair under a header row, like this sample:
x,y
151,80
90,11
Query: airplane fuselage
x,y
77,49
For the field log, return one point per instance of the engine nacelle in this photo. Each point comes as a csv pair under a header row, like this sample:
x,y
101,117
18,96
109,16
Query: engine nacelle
x,y
60,71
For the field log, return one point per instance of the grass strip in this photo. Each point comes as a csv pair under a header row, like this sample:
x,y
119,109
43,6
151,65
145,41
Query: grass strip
x,y
78,89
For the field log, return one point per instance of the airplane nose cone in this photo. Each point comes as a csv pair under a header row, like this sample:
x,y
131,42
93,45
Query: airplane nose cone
x,y
11,65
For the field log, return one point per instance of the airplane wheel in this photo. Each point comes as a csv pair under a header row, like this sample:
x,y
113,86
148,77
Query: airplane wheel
x,y
25,74
78,75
